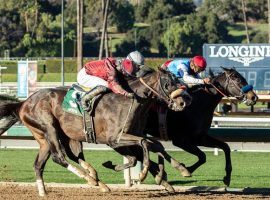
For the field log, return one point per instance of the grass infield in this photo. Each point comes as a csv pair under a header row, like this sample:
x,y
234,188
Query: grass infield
x,y
249,169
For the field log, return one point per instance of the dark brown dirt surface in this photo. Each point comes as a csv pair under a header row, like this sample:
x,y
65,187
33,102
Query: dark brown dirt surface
x,y
29,192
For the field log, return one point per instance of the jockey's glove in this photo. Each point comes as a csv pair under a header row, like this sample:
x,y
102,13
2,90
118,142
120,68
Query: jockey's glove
x,y
129,95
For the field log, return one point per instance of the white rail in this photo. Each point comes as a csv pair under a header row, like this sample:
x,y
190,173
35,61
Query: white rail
x,y
242,119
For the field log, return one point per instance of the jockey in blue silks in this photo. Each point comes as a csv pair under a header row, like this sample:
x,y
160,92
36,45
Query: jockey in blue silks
x,y
188,70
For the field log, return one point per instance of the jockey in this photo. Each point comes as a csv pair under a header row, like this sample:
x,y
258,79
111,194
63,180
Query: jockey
x,y
101,75
188,70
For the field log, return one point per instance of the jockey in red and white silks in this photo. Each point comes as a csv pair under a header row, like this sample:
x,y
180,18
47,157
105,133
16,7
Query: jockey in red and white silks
x,y
104,72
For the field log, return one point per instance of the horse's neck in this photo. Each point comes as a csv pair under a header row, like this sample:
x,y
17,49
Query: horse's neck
x,y
143,91
206,100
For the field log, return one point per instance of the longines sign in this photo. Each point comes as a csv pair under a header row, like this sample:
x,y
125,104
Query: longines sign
x,y
251,60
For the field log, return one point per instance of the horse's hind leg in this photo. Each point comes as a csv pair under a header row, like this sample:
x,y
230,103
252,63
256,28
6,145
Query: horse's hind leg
x,y
40,162
75,152
130,140
125,151
49,131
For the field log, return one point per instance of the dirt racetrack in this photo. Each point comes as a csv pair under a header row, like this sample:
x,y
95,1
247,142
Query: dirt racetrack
x,y
26,191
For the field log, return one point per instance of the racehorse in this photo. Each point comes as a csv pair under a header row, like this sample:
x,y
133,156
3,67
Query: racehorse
x,y
118,122
188,129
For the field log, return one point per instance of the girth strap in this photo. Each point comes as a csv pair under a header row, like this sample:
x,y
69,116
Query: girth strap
x,y
90,135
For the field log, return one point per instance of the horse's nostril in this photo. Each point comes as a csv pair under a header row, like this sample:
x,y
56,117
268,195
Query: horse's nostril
x,y
182,104
254,98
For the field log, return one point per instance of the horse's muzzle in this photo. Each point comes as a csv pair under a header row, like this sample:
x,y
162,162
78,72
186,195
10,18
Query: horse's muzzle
x,y
179,100
250,98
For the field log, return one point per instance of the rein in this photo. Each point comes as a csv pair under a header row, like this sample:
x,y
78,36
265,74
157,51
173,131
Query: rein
x,y
224,95
167,100
243,89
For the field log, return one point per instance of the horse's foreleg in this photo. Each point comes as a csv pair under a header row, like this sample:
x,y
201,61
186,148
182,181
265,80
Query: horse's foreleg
x,y
158,147
160,180
130,140
209,141
74,151
193,149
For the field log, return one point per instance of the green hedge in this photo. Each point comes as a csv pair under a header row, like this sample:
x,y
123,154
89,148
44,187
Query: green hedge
x,y
54,65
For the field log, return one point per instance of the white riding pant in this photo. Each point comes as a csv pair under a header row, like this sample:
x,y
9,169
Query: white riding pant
x,y
90,81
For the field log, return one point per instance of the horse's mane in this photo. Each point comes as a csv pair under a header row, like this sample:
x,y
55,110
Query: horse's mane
x,y
144,71
4,98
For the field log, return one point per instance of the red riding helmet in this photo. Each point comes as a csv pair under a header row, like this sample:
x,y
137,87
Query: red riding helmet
x,y
128,67
200,62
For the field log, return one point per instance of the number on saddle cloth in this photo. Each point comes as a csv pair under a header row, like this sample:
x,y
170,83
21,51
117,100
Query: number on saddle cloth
x,y
71,102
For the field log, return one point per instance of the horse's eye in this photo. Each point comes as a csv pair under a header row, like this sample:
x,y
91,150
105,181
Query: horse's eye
x,y
166,86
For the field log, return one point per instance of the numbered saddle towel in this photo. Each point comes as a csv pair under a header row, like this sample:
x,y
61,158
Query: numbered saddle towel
x,y
71,102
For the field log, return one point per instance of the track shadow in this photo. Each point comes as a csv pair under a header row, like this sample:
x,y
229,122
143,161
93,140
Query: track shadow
x,y
181,182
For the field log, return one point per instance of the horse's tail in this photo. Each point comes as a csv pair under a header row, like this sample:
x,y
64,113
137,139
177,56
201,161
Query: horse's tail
x,y
9,107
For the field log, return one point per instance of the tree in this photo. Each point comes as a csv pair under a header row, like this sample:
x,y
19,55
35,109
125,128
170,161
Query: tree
x,y
142,10
178,39
11,31
122,15
159,11
128,45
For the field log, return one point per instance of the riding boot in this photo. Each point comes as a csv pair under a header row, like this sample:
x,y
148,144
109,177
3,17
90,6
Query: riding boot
x,y
86,99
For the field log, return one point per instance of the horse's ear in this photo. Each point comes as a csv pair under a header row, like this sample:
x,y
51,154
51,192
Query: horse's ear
x,y
161,69
211,73
224,69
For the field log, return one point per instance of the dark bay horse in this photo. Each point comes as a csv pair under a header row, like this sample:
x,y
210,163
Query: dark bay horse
x,y
188,129
118,122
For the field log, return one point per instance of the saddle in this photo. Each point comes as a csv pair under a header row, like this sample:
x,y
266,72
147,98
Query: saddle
x,y
77,93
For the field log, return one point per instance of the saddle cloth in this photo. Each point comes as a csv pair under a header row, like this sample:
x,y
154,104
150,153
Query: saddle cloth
x,y
71,102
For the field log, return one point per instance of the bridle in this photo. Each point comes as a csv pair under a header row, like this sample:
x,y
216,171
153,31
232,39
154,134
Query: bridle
x,y
243,91
165,97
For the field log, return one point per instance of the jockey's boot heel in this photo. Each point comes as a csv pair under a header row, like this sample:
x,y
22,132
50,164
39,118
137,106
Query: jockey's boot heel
x,y
86,99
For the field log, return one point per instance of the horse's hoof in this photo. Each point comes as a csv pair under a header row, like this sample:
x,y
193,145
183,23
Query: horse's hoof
x,y
142,176
158,179
118,168
185,172
227,181
167,186
91,181
42,194
94,176
103,187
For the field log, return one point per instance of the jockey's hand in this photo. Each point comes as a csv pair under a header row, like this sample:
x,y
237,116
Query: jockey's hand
x,y
206,80
129,95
